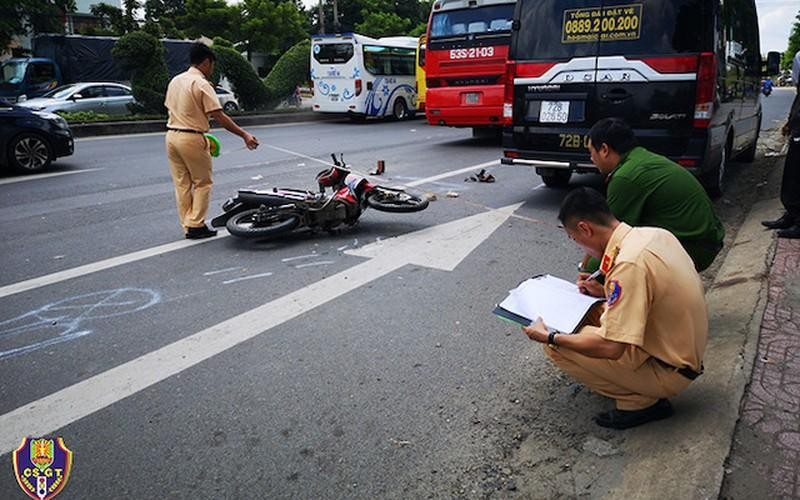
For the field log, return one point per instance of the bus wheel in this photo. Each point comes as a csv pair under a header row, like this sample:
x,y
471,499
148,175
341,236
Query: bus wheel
x,y
400,110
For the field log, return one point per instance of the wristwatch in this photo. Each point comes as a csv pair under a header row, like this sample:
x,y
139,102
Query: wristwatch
x,y
551,339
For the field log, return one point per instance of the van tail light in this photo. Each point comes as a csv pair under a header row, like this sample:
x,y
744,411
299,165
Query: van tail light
x,y
358,87
508,93
706,90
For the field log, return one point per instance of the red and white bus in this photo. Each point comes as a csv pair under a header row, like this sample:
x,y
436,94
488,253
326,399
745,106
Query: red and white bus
x,y
467,45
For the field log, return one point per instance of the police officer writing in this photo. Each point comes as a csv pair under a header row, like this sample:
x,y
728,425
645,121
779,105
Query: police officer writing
x,y
788,224
190,100
650,341
646,189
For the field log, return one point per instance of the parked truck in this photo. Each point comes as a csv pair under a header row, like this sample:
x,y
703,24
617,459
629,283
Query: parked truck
x,y
63,59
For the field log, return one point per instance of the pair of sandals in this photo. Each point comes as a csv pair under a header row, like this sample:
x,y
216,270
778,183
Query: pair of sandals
x,y
481,176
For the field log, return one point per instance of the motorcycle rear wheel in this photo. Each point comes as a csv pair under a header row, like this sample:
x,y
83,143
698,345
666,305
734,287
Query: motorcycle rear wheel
x,y
245,225
395,200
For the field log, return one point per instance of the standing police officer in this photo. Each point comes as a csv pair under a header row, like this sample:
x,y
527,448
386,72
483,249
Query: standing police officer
x,y
190,100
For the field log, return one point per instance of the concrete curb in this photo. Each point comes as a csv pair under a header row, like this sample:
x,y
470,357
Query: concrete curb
x,y
148,126
684,457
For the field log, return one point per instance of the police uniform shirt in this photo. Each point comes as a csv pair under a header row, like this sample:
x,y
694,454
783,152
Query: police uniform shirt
x,y
189,100
648,189
654,298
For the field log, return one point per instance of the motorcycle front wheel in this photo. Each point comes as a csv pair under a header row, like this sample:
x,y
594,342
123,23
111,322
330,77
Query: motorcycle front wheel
x,y
251,224
395,200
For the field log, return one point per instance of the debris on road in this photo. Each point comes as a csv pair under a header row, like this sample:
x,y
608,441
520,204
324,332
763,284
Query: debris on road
x,y
481,176
599,447
380,168
430,196
257,177
452,194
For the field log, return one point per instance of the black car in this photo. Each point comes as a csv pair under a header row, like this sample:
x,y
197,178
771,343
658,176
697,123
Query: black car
x,y
684,74
31,140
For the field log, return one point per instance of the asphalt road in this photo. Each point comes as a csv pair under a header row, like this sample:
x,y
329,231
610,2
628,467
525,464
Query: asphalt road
x,y
402,385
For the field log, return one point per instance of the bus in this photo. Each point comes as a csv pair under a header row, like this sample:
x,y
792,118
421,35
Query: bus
x,y
421,74
364,77
467,45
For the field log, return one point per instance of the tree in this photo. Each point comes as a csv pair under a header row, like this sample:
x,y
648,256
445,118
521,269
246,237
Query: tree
x,y
210,18
129,21
378,24
291,70
143,55
109,18
252,92
17,17
794,44
268,26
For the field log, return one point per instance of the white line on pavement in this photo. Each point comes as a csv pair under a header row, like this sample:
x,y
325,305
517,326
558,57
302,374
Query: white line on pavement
x,y
151,134
245,278
79,271
12,180
451,173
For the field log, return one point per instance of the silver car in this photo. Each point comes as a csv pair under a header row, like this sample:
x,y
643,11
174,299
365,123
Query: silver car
x,y
227,99
100,97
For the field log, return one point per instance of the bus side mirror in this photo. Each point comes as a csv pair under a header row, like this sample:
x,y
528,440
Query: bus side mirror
x,y
773,63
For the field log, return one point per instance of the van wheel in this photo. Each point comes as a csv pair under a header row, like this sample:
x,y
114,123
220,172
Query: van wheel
x,y
400,110
713,179
557,178
749,154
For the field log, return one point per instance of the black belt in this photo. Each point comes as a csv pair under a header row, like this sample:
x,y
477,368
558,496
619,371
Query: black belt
x,y
188,131
685,371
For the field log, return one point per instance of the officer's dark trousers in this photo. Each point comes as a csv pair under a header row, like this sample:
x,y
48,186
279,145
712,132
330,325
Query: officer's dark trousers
x,y
790,186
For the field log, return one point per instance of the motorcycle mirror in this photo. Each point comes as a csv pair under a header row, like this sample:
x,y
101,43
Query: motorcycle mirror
x,y
335,162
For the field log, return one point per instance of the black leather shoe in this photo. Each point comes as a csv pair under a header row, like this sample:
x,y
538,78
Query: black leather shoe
x,y
785,222
198,233
621,419
791,232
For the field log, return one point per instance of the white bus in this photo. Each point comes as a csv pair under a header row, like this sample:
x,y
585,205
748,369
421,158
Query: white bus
x,y
364,77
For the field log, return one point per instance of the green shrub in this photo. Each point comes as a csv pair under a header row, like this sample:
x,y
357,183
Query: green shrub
x,y
291,70
251,91
143,55
83,116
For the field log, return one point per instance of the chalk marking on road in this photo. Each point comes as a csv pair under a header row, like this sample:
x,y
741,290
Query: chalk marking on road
x,y
13,180
440,247
299,257
76,272
220,271
451,173
312,264
245,278
65,317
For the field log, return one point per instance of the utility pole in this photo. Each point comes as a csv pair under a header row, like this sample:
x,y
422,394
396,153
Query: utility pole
x,y
321,19
336,26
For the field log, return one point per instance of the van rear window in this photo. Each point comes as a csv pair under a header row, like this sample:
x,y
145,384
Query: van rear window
x,y
563,29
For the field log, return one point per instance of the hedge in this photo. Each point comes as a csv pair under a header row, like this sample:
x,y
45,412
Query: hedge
x,y
143,55
245,83
291,70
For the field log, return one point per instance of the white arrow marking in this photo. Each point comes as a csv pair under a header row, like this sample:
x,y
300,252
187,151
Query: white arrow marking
x,y
441,247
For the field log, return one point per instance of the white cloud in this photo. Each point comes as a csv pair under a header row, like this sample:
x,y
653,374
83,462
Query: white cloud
x,y
775,20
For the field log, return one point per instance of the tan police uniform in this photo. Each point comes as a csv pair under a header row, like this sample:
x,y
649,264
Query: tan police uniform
x,y
655,303
190,98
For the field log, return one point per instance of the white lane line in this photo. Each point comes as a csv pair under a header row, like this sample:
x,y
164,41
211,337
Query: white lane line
x,y
151,134
245,278
79,271
13,180
301,155
289,259
218,271
451,173
312,264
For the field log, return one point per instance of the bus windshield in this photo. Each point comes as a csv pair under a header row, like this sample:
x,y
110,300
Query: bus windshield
x,y
482,22
333,53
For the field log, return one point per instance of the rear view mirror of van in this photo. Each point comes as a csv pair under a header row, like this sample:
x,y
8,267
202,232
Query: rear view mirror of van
x,y
773,63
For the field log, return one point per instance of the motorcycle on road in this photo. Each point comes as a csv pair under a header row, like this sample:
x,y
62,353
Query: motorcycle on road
x,y
262,214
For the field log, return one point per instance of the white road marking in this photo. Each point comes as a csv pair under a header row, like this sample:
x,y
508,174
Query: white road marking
x,y
218,129
218,271
309,256
312,264
12,180
245,278
76,272
451,173
441,247
301,155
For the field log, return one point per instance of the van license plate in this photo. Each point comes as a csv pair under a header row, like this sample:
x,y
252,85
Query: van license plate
x,y
472,97
554,112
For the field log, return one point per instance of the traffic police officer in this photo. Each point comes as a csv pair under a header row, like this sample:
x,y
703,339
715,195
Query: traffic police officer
x,y
651,338
190,100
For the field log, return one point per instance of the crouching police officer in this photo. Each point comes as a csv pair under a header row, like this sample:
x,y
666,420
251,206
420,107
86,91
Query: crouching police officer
x,y
650,342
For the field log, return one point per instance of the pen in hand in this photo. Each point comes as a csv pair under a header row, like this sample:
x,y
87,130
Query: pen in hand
x,y
594,275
